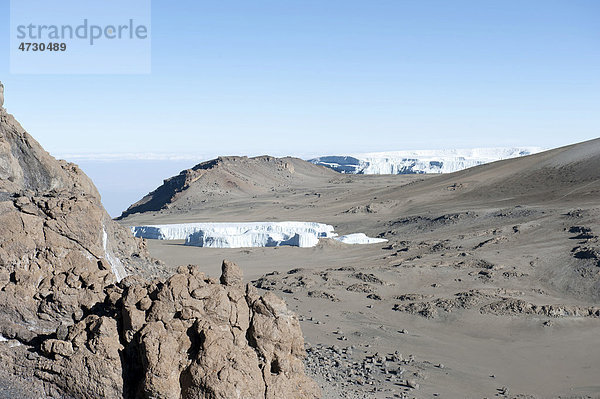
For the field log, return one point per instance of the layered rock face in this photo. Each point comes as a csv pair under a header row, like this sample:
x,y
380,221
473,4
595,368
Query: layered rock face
x,y
58,247
85,313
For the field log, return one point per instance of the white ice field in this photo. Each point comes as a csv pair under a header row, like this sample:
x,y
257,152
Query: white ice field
x,y
254,234
419,161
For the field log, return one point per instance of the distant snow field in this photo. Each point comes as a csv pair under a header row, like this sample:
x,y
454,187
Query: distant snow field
x,y
419,161
243,235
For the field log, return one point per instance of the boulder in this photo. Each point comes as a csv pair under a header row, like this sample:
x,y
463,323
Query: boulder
x,y
203,339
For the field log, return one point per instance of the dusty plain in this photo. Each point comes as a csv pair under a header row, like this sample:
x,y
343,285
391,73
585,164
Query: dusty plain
x,y
489,285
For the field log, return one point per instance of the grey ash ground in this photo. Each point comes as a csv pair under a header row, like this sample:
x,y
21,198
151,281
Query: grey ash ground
x,y
489,285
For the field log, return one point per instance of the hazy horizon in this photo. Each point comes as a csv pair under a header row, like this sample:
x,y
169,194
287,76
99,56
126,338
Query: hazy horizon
x,y
331,77
167,156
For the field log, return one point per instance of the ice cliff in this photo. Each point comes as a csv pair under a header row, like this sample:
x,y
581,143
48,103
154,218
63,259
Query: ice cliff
x,y
419,161
239,235
245,235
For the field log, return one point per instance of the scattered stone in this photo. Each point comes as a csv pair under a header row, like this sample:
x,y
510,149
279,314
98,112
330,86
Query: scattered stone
x,y
360,287
323,295
368,278
57,347
410,383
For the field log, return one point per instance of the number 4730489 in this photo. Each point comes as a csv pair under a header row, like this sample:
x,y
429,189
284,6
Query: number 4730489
x,y
43,46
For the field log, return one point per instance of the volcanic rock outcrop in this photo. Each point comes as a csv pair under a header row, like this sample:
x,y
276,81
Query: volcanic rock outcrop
x,y
187,337
59,247
85,313
196,338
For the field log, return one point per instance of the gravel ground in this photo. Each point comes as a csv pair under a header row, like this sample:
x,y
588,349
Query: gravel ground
x,y
348,373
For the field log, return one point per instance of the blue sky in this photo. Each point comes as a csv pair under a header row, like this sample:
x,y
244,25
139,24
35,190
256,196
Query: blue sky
x,y
328,76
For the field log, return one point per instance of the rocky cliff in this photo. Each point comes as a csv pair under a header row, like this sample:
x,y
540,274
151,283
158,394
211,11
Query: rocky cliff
x,y
85,313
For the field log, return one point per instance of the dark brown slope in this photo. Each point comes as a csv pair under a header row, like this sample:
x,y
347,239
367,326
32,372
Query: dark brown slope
x,y
229,177
570,173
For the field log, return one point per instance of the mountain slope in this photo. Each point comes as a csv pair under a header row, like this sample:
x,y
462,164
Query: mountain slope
x,y
229,177
570,173
484,270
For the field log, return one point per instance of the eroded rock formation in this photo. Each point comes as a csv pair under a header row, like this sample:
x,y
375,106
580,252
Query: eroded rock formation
x,y
85,313
187,337
196,338
58,248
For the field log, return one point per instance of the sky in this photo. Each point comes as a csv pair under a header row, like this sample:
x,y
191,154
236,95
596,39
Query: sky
x,y
318,77
327,77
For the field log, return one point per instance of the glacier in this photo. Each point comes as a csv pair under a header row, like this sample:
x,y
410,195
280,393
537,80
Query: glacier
x,y
246,235
419,161
239,235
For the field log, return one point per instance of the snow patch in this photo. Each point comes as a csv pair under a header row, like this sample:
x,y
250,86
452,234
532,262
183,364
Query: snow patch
x,y
10,342
115,263
359,238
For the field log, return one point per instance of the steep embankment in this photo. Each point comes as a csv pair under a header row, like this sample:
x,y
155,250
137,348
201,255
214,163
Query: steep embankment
x,y
53,228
